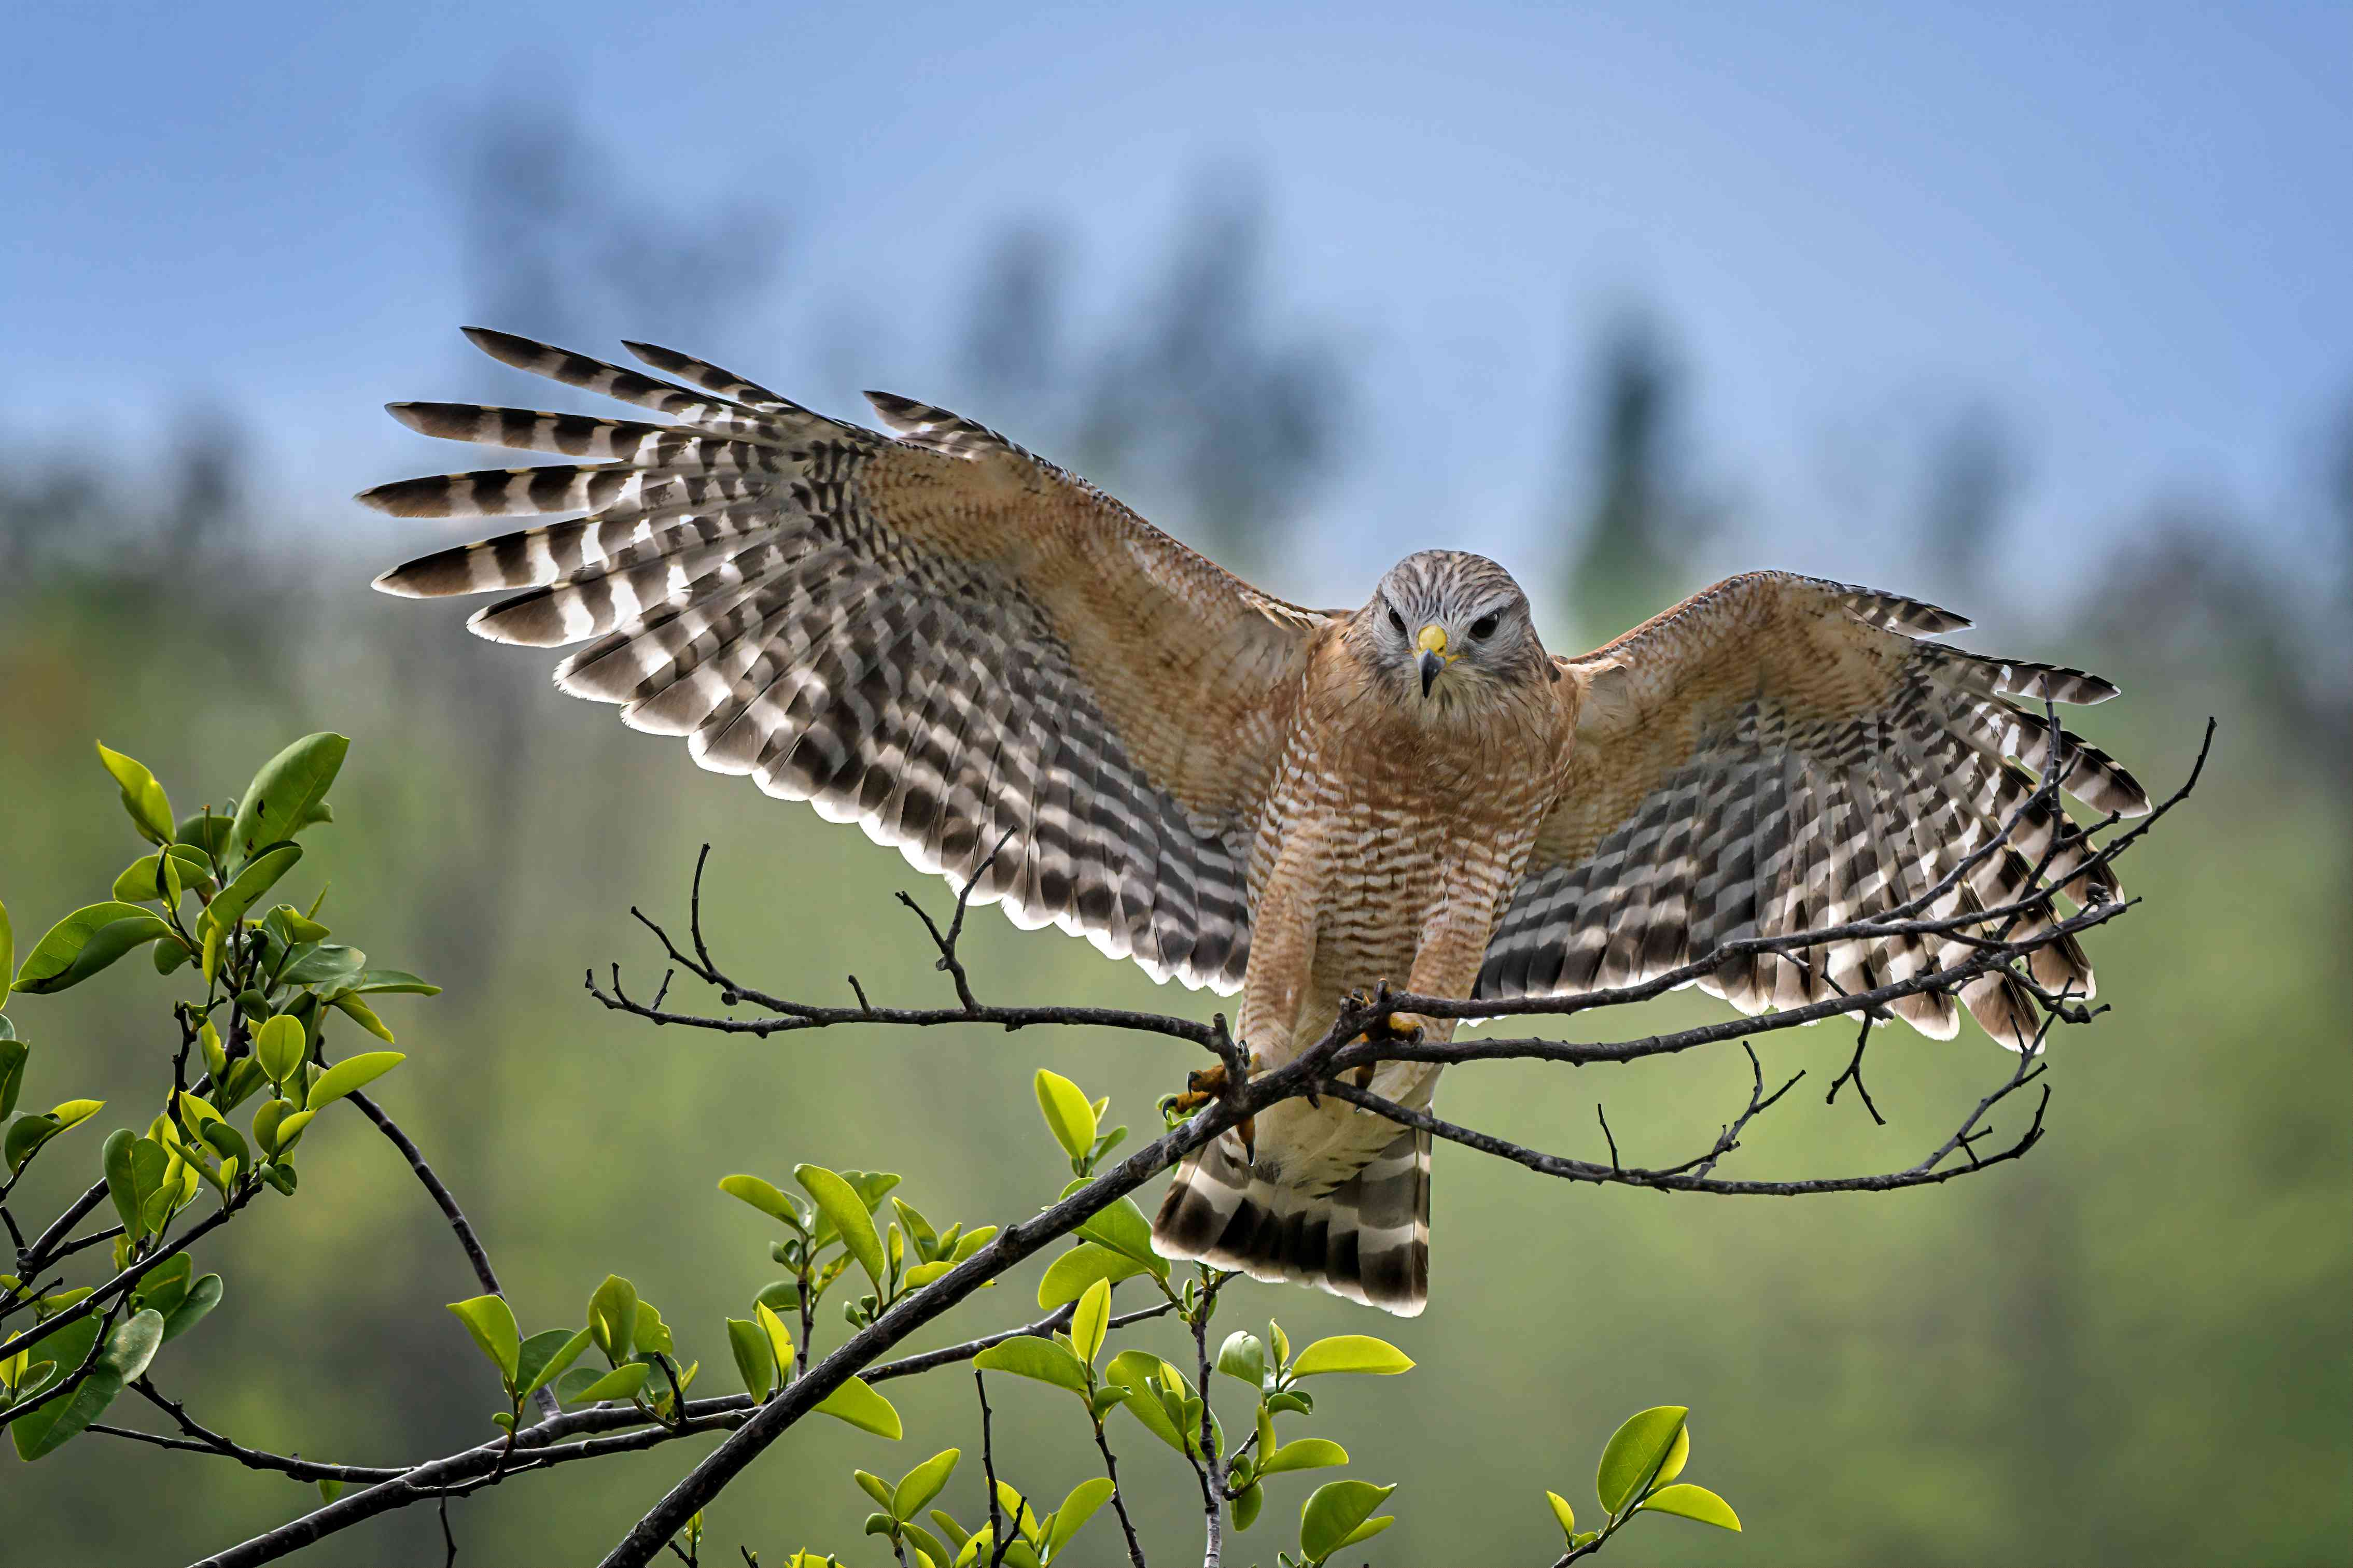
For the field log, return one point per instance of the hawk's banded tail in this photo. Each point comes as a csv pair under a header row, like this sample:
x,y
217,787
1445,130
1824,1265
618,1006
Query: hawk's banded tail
x,y
1366,1239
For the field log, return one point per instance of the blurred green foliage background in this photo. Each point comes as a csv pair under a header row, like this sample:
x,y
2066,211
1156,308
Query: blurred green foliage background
x,y
2130,1347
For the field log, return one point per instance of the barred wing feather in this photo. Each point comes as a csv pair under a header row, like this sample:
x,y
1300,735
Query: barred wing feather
x,y
934,635
1781,754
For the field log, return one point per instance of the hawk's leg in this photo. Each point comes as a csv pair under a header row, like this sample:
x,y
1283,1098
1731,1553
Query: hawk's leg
x,y
1394,1027
1213,1083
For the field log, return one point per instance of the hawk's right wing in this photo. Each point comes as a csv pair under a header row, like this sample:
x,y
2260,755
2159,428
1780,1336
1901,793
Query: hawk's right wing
x,y
1780,755
938,637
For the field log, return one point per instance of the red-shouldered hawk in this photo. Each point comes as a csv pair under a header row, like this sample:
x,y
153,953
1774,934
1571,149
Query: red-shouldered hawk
x,y
954,643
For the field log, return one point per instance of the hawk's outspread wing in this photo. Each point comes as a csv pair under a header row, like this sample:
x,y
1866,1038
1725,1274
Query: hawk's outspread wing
x,y
1780,754
938,637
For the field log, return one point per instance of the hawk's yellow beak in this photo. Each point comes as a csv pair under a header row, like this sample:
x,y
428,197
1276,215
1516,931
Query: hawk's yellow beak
x,y
1434,657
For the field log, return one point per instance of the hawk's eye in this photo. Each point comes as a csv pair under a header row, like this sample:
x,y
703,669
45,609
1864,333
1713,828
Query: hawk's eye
x,y
1483,627
1396,620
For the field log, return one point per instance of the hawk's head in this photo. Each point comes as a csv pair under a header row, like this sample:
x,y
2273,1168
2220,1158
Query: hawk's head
x,y
1446,627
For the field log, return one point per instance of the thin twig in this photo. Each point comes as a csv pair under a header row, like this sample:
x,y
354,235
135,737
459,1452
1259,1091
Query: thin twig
x,y
475,1255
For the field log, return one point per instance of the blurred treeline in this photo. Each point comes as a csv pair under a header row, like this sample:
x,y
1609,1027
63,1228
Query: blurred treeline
x,y
2129,1348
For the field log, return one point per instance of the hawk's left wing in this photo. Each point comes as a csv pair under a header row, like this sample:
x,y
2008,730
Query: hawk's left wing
x,y
938,637
1780,754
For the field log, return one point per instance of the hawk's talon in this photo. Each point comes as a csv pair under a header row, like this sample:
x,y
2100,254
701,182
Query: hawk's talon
x,y
1208,1083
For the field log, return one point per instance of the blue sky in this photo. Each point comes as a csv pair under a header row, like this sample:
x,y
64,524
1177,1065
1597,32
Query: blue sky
x,y
2126,227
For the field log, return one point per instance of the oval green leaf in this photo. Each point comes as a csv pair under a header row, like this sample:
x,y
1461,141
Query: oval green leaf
x,y
1306,1454
1333,1513
919,1485
764,1195
52,964
260,874
1026,1355
491,1322
1069,1277
350,1073
1089,1321
1685,1500
858,1405
289,793
841,1203
1561,1512
1121,1227
1635,1452
1352,1352
142,797
280,1046
755,1358
545,1356
621,1383
1068,1114
1078,1508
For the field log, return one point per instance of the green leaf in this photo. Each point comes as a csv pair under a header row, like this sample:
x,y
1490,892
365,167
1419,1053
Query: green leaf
x,y
13,1054
858,1405
1352,1352
756,1359
371,981
114,1159
103,932
576,1381
139,884
924,1273
289,793
1091,1321
1635,1452
359,1012
929,1545
204,831
870,1186
652,1335
780,1338
613,1318
878,1489
1333,1513
1676,1456
622,1383
764,1195
328,965
1247,1502
260,874
26,1136
1078,1508
920,1233
1243,1357
1069,1277
1367,1530
1140,1373
142,797
1068,1114
919,1485
1026,1355
1121,1227
545,1356
1306,1454
1685,1500
842,1202
279,1046
50,1425
1563,1512
350,1073
492,1324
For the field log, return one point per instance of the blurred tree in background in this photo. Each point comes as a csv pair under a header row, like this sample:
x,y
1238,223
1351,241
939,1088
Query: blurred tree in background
x,y
2129,1349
